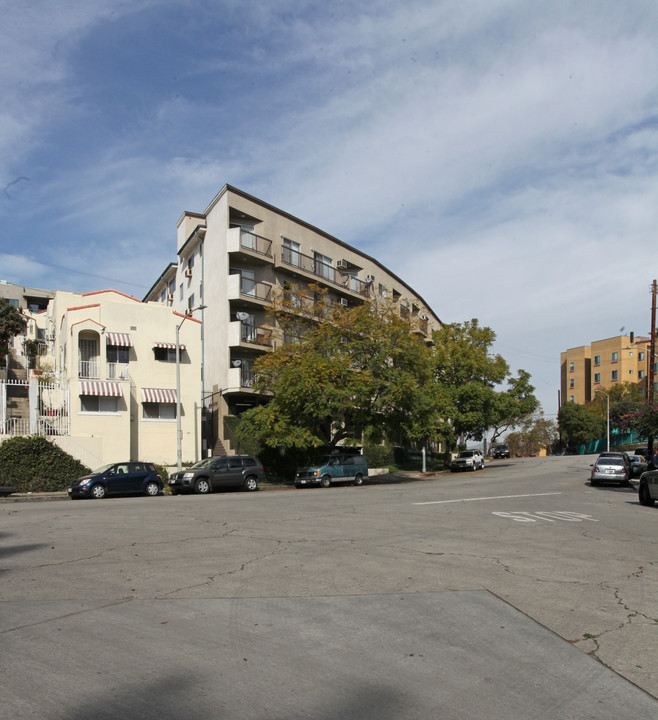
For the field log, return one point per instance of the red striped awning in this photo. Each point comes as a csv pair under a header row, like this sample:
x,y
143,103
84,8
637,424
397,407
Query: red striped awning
x,y
96,387
169,346
158,395
119,339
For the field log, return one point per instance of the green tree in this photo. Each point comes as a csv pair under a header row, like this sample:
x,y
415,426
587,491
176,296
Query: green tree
x,y
345,374
468,375
625,398
579,424
536,433
513,405
12,322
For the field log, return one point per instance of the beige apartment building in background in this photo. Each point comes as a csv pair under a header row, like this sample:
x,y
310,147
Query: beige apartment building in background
x,y
603,364
233,259
104,384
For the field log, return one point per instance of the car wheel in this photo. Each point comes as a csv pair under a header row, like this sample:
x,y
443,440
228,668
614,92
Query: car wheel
x,y
202,486
251,484
325,482
358,480
593,482
152,489
97,492
645,497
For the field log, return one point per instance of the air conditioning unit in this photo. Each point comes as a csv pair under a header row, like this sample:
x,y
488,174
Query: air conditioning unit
x,y
188,272
342,264
170,297
370,278
343,302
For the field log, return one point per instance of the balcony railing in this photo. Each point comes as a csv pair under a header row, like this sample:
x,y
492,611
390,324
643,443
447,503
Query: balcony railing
x,y
255,243
117,371
252,289
312,266
88,369
256,335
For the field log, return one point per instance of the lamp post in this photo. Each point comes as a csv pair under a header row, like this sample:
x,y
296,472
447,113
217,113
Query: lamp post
x,y
179,431
607,418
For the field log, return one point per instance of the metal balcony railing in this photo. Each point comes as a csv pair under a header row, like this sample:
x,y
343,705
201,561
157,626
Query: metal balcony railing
x,y
305,263
255,243
88,369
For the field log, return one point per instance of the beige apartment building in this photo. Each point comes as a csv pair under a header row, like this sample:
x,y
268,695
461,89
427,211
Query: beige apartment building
x,y
233,259
603,364
105,390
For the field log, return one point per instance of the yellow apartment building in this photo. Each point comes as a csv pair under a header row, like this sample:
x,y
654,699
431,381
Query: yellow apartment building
x,y
603,364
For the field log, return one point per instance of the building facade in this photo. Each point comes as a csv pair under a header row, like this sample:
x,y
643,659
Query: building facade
x,y
602,365
105,390
233,259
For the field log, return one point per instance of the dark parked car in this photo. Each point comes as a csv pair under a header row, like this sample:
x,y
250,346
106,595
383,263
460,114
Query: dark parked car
x,y
648,490
234,472
638,465
500,451
611,467
124,478
347,467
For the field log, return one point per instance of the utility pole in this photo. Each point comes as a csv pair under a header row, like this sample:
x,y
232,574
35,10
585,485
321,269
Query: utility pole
x,y
652,360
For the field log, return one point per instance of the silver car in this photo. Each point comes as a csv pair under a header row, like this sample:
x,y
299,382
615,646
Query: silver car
x,y
648,492
638,465
610,468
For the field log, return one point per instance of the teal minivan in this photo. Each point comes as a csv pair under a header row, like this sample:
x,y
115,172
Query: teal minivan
x,y
336,468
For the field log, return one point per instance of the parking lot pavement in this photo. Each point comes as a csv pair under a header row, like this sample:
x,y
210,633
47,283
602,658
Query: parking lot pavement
x,y
427,655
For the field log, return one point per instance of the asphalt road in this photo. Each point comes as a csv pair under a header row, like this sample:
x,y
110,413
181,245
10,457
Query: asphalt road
x,y
514,592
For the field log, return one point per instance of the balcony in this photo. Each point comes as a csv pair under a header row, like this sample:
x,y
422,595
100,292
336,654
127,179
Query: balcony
x,y
249,245
240,378
88,369
117,371
241,288
246,334
301,265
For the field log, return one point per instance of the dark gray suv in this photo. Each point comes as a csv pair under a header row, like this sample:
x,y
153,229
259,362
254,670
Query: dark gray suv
x,y
233,472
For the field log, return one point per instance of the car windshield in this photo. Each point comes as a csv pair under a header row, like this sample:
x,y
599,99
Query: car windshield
x,y
102,469
610,461
202,463
466,453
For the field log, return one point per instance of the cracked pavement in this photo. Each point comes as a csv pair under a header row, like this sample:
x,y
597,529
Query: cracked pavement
x,y
591,582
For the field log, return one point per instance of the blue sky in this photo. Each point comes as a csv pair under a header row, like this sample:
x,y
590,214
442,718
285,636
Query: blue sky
x,y
499,155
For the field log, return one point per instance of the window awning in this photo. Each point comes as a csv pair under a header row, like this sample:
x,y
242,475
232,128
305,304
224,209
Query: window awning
x,y
120,339
158,395
169,346
96,387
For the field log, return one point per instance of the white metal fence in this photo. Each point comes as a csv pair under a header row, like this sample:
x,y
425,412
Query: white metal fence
x,y
29,407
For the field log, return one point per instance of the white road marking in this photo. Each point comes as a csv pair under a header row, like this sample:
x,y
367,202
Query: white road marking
x,y
552,516
497,497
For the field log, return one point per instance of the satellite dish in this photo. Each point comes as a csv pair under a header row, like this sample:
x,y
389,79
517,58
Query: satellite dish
x,y
236,363
242,315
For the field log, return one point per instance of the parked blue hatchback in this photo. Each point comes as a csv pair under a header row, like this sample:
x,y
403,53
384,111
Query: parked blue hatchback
x,y
125,478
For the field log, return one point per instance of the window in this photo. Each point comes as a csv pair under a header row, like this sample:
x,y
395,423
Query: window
x,y
615,356
118,354
571,383
12,301
383,292
98,404
190,302
615,374
571,398
571,367
180,291
640,356
190,262
323,266
597,377
630,372
290,252
165,354
597,359
640,374
159,411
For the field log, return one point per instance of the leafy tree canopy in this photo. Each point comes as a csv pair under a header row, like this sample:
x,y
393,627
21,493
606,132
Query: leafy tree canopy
x,y
579,424
536,433
344,373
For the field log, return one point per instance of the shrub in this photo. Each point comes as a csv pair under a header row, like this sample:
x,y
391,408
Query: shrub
x,y
378,456
33,464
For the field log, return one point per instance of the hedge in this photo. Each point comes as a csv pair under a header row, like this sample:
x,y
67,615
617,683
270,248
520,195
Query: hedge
x,y
33,464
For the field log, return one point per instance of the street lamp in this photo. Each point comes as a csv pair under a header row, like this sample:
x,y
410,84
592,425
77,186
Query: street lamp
x,y
179,431
607,417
